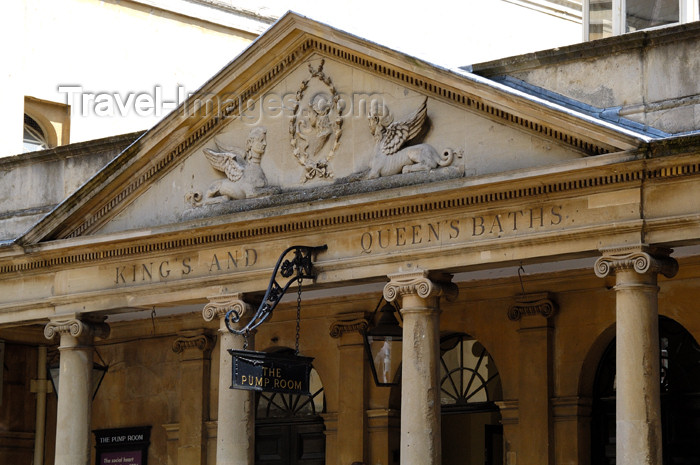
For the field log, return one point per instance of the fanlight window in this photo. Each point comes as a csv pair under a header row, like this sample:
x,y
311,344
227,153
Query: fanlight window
x,y
469,377
276,405
34,137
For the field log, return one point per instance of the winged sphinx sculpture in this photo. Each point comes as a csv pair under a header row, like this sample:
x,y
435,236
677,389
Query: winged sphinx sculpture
x,y
391,155
245,178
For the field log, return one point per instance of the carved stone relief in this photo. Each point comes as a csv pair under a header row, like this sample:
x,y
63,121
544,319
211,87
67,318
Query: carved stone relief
x,y
391,155
311,127
244,176
315,128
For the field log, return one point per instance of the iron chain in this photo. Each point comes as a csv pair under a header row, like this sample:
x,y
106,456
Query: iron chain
x,y
298,314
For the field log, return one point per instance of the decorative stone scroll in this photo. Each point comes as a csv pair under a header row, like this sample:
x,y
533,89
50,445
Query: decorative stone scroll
x,y
641,258
420,283
338,328
219,305
532,304
200,341
77,328
312,127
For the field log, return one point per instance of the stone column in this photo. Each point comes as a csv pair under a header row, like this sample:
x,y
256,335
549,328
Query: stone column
x,y
194,348
535,386
638,406
352,422
420,375
235,432
75,386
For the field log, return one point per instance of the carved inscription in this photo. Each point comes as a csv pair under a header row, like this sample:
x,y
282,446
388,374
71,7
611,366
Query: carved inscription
x,y
173,268
461,229
397,236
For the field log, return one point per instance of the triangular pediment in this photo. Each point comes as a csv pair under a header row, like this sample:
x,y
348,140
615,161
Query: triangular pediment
x,y
308,113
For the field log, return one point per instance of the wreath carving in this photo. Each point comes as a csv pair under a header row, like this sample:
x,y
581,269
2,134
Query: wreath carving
x,y
311,127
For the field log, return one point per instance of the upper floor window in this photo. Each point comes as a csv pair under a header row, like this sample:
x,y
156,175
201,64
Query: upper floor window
x,y
605,18
34,136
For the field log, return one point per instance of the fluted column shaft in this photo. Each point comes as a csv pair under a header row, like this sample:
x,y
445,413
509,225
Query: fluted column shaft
x,y
638,407
235,435
75,387
420,375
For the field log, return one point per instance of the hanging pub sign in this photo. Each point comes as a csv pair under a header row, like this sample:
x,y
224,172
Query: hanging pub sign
x,y
269,372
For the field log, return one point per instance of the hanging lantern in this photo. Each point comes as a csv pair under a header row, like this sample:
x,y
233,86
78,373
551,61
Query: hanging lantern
x,y
383,345
98,373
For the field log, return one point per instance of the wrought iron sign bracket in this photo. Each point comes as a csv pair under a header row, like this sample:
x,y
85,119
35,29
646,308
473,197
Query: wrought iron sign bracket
x,y
296,268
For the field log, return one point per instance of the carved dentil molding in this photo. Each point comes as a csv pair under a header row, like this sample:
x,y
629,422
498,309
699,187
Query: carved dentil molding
x,y
642,259
76,328
200,341
532,304
218,306
338,328
418,283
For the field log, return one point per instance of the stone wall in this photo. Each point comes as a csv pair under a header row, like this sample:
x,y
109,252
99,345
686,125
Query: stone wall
x,y
32,184
649,76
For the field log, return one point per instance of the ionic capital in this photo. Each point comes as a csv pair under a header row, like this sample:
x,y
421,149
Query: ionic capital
x,y
643,259
340,327
220,305
78,328
420,283
532,304
199,341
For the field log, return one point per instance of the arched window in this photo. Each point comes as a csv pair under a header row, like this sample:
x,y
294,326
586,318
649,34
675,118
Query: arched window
x,y
679,354
273,405
469,386
34,136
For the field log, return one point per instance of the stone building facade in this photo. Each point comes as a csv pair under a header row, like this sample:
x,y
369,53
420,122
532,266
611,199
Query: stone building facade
x,y
533,222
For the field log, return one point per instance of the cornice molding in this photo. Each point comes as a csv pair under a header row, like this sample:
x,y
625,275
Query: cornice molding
x,y
510,411
536,188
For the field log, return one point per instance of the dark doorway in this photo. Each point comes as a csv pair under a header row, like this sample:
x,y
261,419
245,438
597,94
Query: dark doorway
x,y
494,445
289,429
290,442
680,399
469,386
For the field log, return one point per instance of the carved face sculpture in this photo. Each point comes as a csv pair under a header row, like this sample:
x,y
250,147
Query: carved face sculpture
x,y
379,118
321,104
257,143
